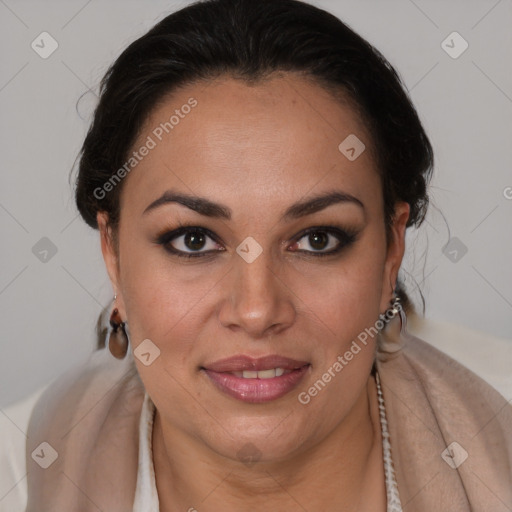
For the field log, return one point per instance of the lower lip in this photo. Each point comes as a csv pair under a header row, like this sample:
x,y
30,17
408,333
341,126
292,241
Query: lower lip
x,y
256,390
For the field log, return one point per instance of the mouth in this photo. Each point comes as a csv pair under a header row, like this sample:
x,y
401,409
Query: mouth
x,y
256,380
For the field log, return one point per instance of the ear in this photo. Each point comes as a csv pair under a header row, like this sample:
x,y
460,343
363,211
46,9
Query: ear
x,y
110,255
395,252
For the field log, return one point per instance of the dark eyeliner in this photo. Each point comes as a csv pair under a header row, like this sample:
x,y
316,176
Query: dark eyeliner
x,y
346,237
168,236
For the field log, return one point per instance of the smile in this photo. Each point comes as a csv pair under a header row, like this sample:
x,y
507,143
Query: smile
x,y
256,380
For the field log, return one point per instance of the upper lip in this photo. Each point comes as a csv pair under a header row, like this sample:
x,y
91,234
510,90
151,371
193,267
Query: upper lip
x,y
243,362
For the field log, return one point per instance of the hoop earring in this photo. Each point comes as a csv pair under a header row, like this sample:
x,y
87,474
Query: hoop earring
x,y
395,309
393,335
117,338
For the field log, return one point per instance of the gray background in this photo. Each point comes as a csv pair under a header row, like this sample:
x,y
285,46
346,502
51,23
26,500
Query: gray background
x,y
48,309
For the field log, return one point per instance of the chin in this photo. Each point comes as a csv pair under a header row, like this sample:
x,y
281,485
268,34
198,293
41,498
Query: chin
x,y
258,439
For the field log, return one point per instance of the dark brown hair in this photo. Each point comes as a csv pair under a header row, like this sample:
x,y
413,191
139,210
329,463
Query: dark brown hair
x,y
250,40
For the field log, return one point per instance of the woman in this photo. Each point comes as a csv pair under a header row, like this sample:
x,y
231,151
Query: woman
x,y
252,168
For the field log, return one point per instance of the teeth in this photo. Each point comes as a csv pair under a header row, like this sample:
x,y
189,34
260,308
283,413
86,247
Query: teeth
x,y
262,374
265,374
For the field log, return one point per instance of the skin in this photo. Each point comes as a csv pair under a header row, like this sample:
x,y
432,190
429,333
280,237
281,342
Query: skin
x,y
258,149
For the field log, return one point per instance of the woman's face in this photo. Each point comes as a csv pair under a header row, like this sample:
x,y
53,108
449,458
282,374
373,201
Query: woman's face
x,y
258,282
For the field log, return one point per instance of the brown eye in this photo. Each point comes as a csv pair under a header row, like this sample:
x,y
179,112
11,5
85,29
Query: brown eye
x,y
189,242
323,241
194,240
318,240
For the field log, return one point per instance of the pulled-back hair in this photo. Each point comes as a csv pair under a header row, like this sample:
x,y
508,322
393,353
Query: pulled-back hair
x,y
250,40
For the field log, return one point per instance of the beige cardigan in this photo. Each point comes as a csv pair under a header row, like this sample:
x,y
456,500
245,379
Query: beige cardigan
x,y
90,417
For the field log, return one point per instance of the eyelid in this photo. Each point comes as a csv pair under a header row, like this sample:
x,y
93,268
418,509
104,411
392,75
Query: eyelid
x,y
168,236
344,235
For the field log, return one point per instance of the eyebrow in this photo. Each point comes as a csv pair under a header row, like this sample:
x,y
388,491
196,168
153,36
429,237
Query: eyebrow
x,y
297,210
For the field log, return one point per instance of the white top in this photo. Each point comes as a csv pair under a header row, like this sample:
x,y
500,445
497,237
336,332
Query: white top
x,y
146,495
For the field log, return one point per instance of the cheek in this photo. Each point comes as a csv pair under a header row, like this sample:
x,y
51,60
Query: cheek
x,y
168,301
145,287
345,295
347,303
176,305
165,308
164,304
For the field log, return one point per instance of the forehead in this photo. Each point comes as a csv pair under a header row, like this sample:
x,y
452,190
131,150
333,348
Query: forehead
x,y
263,144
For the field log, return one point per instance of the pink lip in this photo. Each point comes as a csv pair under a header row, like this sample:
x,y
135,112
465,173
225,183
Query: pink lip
x,y
240,363
256,390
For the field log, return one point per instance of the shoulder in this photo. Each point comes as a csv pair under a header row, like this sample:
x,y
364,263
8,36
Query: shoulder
x,y
462,404
446,362
489,357
448,420
99,384
14,422
89,420
76,405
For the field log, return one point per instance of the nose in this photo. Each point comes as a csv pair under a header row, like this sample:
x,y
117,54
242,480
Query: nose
x,y
257,300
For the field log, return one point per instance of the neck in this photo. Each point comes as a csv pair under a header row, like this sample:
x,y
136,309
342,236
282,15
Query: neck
x,y
342,472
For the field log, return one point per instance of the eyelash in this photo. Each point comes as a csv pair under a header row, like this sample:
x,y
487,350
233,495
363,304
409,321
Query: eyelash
x,y
345,237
